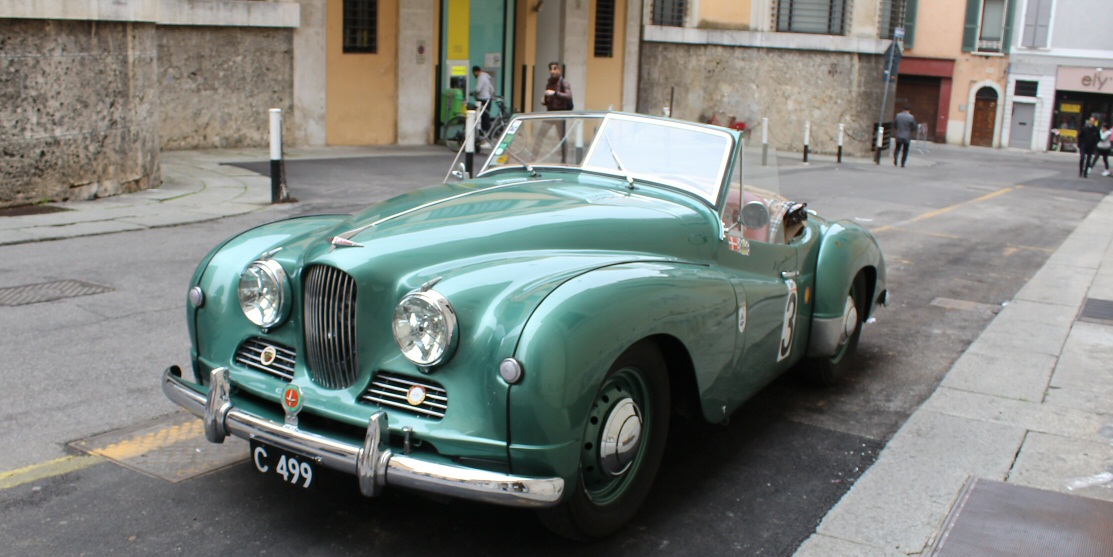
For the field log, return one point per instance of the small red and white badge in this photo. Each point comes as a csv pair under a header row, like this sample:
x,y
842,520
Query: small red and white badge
x,y
291,400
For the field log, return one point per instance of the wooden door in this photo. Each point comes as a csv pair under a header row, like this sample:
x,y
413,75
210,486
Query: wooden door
x,y
985,118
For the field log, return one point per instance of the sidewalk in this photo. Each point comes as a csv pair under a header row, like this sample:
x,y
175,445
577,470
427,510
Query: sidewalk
x,y
1030,403
196,186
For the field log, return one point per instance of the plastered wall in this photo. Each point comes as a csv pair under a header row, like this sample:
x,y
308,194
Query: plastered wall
x,y
78,110
787,86
217,84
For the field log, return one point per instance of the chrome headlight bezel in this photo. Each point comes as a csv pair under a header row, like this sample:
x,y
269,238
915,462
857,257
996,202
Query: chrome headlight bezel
x,y
414,316
267,276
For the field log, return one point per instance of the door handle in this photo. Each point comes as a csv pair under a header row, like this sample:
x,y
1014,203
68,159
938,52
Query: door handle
x,y
789,274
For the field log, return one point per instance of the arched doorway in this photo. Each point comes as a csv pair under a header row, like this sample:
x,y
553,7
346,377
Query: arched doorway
x,y
985,117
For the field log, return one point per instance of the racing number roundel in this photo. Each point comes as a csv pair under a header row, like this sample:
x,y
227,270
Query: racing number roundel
x,y
788,329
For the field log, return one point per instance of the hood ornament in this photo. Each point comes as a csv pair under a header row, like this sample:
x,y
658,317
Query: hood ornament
x,y
342,242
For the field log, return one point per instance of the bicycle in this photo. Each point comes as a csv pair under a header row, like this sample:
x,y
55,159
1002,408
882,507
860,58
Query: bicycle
x,y
454,132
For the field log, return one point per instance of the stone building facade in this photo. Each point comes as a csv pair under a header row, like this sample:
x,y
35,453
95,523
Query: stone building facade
x,y
90,92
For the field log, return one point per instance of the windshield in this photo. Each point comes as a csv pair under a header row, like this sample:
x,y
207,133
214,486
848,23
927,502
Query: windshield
x,y
689,157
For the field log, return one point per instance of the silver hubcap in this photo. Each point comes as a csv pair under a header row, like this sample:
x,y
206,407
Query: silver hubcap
x,y
622,435
850,320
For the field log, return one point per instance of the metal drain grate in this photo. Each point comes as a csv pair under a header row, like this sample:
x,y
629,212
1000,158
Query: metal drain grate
x,y
1097,310
48,292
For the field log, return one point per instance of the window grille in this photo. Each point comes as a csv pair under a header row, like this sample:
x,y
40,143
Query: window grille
x,y
1026,88
361,19
670,12
823,17
892,16
604,28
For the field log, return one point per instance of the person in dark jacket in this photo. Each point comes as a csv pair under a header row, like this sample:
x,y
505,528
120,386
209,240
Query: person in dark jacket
x,y
1088,138
558,93
904,127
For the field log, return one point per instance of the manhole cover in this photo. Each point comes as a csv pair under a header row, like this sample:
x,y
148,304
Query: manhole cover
x,y
172,448
1097,310
48,292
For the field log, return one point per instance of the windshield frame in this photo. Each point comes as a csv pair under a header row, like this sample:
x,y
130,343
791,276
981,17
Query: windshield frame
x,y
712,199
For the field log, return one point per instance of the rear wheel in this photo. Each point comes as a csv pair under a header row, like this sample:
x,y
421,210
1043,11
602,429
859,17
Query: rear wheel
x,y
621,449
826,371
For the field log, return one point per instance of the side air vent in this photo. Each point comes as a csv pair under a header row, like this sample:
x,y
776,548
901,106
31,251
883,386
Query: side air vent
x,y
268,357
399,391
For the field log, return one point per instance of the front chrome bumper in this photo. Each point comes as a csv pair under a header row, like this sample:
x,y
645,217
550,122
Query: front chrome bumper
x,y
373,462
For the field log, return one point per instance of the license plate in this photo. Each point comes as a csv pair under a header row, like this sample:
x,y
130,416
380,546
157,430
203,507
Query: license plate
x,y
289,467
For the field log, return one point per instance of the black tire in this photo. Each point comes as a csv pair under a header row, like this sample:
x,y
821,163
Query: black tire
x,y
609,491
826,371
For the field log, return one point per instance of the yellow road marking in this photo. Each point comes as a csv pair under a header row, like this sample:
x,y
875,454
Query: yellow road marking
x,y
55,467
937,212
152,441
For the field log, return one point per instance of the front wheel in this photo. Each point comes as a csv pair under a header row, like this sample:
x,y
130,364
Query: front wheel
x,y
825,371
621,449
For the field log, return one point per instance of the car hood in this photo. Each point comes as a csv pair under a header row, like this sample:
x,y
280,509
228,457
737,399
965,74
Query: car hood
x,y
440,228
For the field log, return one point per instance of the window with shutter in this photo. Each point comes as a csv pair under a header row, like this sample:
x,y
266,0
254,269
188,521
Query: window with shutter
x,y
1037,23
823,17
669,12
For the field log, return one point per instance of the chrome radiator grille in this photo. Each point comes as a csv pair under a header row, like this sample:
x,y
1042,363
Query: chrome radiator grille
x,y
390,389
253,353
330,327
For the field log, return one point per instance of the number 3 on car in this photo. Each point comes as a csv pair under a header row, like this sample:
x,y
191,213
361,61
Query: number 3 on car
x,y
788,330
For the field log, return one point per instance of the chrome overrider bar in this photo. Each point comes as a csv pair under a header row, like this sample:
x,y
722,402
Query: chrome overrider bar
x,y
373,463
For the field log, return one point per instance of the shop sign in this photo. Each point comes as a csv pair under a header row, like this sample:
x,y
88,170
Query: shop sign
x,y
1089,80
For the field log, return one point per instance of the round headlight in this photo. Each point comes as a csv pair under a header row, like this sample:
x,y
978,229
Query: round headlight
x,y
425,328
263,296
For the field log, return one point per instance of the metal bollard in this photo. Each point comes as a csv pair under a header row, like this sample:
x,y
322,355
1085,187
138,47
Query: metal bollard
x,y
807,137
842,129
764,141
880,138
469,144
279,194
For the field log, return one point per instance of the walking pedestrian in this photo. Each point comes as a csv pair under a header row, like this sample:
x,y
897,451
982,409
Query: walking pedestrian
x,y
558,92
1104,146
1088,138
904,125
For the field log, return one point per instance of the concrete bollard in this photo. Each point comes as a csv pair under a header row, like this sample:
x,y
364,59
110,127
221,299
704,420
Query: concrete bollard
x,y
279,193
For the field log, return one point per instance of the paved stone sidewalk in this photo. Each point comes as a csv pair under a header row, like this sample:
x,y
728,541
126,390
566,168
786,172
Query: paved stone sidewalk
x,y
1030,403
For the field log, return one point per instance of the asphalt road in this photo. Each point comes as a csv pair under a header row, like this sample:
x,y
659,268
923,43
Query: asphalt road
x,y
962,229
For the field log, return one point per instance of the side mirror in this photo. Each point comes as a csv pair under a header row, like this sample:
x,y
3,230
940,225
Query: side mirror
x,y
459,173
755,215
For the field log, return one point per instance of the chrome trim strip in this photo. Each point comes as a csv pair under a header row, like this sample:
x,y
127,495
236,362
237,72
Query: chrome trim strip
x,y
373,463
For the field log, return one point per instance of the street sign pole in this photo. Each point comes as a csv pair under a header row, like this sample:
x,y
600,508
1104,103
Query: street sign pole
x,y
894,51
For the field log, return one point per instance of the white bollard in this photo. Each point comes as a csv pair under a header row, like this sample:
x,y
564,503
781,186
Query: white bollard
x,y
764,141
842,129
279,193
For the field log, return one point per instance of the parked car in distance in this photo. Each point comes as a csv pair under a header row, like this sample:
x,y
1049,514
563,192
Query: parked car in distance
x,y
522,337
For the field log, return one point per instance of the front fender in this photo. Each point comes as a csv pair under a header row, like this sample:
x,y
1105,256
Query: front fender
x,y
846,250
578,331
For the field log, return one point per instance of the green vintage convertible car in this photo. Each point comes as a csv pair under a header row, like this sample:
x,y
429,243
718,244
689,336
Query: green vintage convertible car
x,y
522,337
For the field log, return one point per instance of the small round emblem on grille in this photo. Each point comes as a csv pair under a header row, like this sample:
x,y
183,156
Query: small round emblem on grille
x,y
416,395
291,399
267,356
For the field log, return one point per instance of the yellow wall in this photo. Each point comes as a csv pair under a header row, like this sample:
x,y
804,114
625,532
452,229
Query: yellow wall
x,y
724,14
939,27
525,51
604,75
361,93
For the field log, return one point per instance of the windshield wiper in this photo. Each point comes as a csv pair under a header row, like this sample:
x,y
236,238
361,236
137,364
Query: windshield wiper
x,y
529,167
621,167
